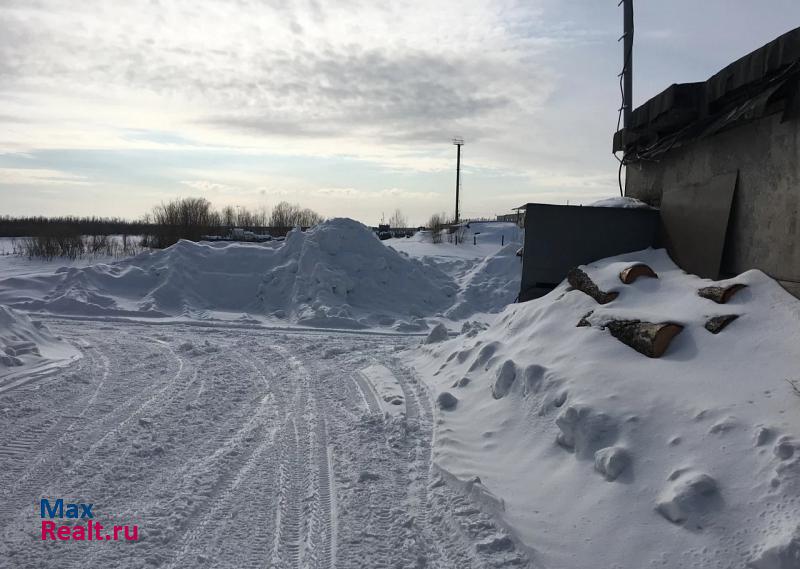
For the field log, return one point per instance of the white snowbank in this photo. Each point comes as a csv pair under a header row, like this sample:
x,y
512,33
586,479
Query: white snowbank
x,y
619,201
606,458
484,265
336,274
479,239
386,388
25,344
490,285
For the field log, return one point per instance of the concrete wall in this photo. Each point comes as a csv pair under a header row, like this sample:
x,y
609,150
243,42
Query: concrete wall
x,y
764,229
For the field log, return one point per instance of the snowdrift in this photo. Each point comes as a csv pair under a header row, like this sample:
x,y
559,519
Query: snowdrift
x,y
25,344
598,456
336,274
484,266
626,202
490,285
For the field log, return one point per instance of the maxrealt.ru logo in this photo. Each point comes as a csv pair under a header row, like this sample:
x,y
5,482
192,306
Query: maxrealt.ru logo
x,y
91,531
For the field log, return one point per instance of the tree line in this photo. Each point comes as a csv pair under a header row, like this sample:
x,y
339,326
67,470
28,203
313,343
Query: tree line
x,y
167,223
32,226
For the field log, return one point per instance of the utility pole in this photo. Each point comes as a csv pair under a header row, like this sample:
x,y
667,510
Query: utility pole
x,y
458,142
627,64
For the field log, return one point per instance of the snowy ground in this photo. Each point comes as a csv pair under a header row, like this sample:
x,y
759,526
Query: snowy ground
x,y
232,444
233,448
19,266
336,275
484,266
526,440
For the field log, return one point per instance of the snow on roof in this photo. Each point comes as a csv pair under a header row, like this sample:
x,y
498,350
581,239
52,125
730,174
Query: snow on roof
x,y
619,201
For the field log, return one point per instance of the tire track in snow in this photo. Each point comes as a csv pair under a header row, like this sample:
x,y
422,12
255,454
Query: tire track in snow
x,y
305,518
451,523
288,545
274,457
234,466
148,401
21,441
32,452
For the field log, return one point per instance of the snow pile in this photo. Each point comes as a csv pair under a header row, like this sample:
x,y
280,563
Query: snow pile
x,y
490,285
336,274
340,273
26,344
478,239
603,457
484,264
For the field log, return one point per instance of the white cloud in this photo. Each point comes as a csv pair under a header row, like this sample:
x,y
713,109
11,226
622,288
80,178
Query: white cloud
x,y
205,186
40,177
375,88
407,72
376,195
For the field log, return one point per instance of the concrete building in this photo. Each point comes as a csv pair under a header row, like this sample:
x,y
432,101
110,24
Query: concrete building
x,y
721,158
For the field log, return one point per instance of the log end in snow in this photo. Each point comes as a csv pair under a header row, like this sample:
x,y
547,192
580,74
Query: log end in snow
x,y
717,324
629,275
647,338
579,280
720,294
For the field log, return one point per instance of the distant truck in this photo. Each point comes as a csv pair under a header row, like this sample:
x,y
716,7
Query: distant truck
x,y
384,231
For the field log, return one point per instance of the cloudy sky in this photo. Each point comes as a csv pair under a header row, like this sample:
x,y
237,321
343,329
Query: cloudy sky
x,y
346,106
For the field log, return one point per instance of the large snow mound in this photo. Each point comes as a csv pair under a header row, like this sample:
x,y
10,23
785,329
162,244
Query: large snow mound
x,y
603,457
26,344
336,274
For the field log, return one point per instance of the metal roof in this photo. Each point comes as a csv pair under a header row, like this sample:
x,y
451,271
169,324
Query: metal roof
x,y
760,83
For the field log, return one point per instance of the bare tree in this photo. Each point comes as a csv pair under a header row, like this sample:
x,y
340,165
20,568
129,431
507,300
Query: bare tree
x,y
228,216
286,214
398,220
182,218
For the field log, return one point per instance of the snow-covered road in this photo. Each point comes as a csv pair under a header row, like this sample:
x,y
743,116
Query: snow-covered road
x,y
231,447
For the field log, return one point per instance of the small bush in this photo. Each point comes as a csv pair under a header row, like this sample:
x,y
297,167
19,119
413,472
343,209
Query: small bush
x,y
438,224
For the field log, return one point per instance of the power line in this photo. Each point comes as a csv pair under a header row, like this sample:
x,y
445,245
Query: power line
x,y
625,81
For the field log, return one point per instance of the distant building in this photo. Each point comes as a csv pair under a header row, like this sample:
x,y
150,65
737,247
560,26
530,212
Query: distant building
x,y
517,217
721,159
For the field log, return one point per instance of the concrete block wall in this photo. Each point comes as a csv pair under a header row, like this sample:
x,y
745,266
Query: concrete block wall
x,y
764,228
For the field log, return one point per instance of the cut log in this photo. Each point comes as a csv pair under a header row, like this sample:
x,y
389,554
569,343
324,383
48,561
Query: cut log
x,y
629,275
647,338
717,324
719,294
581,281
